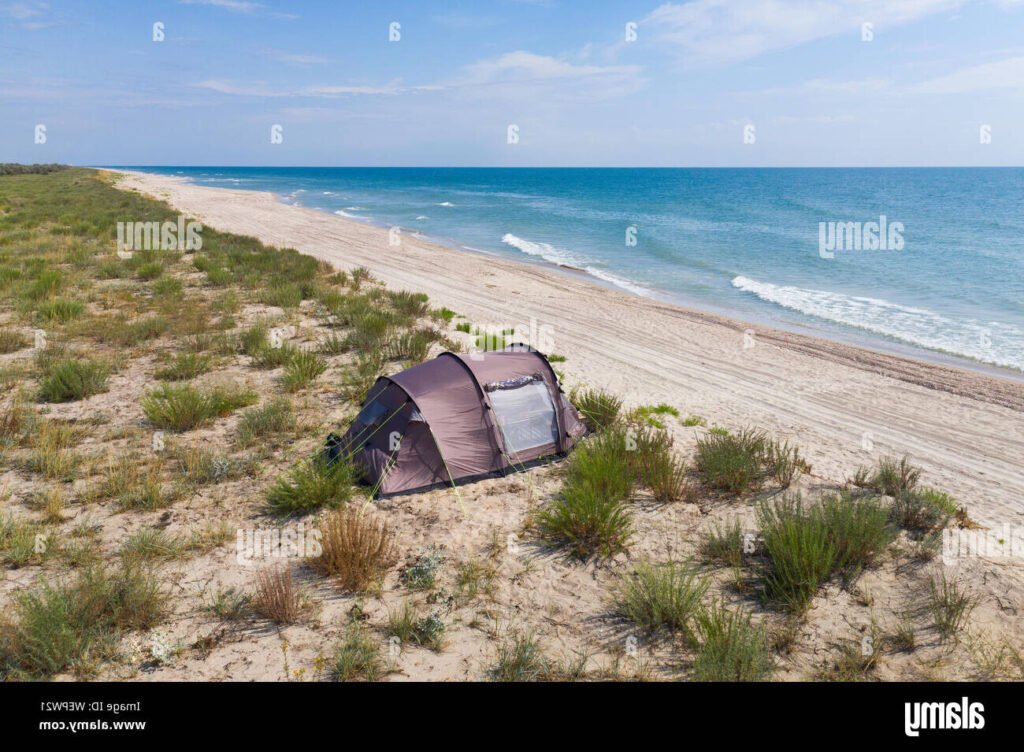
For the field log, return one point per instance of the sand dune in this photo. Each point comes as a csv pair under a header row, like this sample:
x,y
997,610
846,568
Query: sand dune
x,y
844,406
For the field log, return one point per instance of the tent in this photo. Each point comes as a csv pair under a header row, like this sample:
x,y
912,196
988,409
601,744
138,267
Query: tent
x,y
459,417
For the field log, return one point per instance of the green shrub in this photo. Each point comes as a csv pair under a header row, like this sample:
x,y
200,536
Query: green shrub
x,y
922,510
422,575
410,304
302,369
60,310
12,340
150,270
891,477
665,596
356,657
858,528
801,551
599,409
72,379
520,659
313,484
55,627
730,648
723,544
653,415
274,419
184,366
269,357
182,408
732,462
950,605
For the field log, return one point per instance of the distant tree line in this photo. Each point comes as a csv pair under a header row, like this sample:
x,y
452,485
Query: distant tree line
x,y
12,168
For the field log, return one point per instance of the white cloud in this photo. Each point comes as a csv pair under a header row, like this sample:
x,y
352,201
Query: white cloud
x,y
1000,75
239,6
24,11
500,75
728,31
520,67
296,58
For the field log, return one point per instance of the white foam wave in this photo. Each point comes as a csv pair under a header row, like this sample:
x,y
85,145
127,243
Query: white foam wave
x,y
988,342
562,257
446,203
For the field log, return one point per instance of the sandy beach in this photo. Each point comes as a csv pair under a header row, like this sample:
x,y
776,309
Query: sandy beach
x,y
845,406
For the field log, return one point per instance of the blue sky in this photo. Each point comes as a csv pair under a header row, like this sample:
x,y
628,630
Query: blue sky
x,y
919,92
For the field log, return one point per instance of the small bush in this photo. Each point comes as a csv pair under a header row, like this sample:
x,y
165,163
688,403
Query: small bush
x,y
663,596
730,648
801,552
274,419
410,304
858,528
184,367
268,357
668,482
599,409
653,415
922,510
19,542
723,544
313,484
520,659
254,339
357,550
302,369
950,605
201,466
55,627
891,477
52,454
356,657
276,596
586,524
182,408
150,270
12,341
732,462
422,575
72,379
60,310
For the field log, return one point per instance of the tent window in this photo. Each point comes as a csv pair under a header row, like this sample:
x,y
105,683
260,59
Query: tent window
x,y
372,413
526,416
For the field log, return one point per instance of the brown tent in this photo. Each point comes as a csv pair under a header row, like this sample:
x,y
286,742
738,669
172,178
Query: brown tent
x,y
460,417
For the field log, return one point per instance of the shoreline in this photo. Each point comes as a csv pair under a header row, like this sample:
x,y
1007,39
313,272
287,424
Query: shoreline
x,y
777,319
845,405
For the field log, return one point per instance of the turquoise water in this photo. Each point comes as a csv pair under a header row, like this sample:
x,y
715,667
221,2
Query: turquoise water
x,y
744,242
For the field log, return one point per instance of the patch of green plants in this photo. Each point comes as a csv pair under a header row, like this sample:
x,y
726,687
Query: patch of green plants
x,y
730,648
184,407
55,627
313,484
600,409
184,367
661,596
71,379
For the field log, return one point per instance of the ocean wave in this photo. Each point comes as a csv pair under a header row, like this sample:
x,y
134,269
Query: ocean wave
x,y
354,208
562,257
446,203
987,342
423,216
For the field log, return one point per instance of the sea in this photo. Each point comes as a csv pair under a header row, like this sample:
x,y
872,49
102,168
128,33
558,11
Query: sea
x,y
927,262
